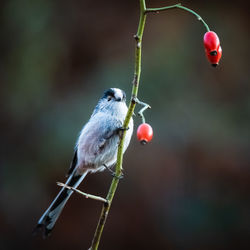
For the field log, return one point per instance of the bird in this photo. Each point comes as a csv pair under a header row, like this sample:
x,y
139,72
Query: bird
x,y
95,150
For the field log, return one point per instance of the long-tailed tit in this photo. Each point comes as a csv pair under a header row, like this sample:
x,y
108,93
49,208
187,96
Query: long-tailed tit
x,y
96,149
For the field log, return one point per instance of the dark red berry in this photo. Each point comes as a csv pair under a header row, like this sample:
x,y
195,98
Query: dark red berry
x,y
144,133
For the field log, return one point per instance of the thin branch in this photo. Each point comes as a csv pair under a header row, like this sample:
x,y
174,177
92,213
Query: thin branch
x,y
179,6
146,106
157,10
93,197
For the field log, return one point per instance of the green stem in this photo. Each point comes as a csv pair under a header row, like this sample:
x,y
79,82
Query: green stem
x,y
118,170
148,10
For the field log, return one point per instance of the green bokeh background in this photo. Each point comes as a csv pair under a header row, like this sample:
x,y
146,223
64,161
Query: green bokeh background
x,y
188,188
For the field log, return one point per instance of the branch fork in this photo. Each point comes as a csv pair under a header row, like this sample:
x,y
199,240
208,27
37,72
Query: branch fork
x,y
145,107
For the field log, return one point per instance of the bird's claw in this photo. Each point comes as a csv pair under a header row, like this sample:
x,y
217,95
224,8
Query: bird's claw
x,y
118,177
113,173
123,129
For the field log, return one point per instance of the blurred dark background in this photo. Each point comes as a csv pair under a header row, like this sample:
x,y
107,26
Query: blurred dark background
x,y
187,189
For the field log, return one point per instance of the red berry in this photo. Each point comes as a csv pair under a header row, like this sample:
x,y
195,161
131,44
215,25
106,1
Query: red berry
x,y
144,133
211,42
212,47
214,59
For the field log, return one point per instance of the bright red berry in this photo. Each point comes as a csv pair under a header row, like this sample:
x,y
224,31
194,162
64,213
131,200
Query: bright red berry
x,y
211,42
144,133
212,47
214,58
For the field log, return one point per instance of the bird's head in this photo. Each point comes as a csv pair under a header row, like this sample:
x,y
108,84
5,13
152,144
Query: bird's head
x,y
115,95
113,101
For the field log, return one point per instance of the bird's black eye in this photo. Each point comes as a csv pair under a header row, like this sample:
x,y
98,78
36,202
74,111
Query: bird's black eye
x,y
109,94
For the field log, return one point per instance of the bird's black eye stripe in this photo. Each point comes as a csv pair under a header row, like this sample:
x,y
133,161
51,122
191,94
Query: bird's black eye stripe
x,y
109,94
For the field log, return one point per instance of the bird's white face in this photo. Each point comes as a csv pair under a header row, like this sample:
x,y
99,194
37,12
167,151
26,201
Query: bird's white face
x,y
114,94
118,94
113,102
116,102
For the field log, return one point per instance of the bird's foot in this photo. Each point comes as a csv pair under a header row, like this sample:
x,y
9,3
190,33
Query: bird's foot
x,y
118,177
121,131
113,173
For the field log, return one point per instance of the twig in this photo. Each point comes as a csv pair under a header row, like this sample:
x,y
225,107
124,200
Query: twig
x,y
157,10
146,106
179,6
93,197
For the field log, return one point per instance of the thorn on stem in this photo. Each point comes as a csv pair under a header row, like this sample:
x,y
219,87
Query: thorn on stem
x,y
136,37
135,81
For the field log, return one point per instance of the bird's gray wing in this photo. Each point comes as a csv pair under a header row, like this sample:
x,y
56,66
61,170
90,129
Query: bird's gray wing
x,y
109,134
98,142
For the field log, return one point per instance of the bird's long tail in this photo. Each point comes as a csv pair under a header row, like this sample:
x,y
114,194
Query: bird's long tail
x,y
49,218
